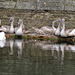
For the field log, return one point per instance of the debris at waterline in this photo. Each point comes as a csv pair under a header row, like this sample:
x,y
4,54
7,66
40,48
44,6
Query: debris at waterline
x,y
43,37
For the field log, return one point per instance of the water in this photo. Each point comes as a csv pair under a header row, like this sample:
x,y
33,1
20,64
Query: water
x,y
35,57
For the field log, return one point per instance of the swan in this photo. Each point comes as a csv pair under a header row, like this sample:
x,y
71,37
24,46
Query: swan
x,y
68,32
2,36
11,27
11,47
19,30
8,29
23,27
48,29
72,33
57,32
39,31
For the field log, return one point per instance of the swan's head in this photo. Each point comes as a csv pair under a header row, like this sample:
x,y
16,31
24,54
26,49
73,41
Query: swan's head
x,y
20,21
53,23
63,20
12,18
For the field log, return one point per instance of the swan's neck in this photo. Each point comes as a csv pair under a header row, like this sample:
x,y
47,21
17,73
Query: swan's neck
x,y
12,23
59,26
53,26
21,25
63,26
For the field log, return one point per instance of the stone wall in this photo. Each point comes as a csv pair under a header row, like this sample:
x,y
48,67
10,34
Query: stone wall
x,y
37,18
39,4
38,13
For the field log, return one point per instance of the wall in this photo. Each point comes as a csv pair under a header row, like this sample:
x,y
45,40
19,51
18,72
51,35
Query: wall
x,y
38,13
37,18
39,4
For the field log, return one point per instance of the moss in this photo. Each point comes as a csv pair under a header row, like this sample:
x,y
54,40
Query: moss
x,y
12,36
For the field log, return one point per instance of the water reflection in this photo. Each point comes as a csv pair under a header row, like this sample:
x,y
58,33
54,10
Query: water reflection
x,y
11,47
18,43
2,43
33,57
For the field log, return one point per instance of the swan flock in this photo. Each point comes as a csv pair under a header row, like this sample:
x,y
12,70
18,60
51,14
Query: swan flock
x,y
20,30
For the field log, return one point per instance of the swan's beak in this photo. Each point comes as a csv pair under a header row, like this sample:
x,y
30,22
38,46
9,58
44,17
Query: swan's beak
x,y
10,19
63,20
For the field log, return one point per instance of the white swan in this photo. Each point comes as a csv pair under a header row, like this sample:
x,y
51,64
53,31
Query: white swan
x,y
2,36
11,27
57,32
63,32
72,33
68,32
19,30
8,29
48,29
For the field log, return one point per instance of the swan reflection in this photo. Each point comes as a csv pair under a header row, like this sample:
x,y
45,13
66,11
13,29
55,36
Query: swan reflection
x,y
72,48
2,43
18,43
56,49
11,47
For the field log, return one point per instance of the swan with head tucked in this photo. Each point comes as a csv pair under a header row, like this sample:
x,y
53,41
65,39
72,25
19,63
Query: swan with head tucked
x,y
19,30
48,29
39,31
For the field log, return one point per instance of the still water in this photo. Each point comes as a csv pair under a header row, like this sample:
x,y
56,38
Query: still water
x,y
35,57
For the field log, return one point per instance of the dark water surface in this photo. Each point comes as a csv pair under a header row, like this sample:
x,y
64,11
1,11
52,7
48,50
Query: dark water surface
x,y
35,57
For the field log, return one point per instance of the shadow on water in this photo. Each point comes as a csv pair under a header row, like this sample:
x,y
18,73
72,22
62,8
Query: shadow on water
x,y
36,57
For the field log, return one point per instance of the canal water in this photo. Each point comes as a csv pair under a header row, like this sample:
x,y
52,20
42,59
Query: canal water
x,y
36,57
